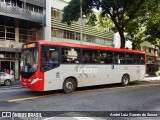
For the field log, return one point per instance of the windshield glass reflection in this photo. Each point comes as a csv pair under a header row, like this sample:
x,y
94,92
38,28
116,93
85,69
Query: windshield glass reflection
x,y
29,60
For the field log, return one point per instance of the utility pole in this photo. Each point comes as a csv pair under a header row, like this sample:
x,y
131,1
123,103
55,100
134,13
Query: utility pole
x,y
81,37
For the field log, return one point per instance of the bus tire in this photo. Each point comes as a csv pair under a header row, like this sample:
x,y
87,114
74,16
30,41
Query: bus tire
x,y
69,85
125,80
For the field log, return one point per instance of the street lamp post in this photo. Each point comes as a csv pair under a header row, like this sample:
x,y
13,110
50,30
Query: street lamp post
x,y
81,37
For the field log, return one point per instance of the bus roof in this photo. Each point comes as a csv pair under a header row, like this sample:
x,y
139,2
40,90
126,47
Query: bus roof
x,y
67,44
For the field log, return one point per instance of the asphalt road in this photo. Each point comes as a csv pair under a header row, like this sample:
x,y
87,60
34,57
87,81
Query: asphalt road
x,y
143,96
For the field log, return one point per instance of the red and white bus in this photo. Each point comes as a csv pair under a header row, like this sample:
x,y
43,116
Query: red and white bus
x,y
47,65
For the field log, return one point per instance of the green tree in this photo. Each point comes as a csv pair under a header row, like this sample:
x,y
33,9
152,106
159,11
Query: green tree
x,y
120,12
153,24
146,26
136,32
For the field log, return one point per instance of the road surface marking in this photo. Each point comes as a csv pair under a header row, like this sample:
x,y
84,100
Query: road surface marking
x,y
30,98
71,115
51,118
84,118
77,118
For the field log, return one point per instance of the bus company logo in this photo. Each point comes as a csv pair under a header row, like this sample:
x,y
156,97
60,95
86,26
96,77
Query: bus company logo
x,y
86,70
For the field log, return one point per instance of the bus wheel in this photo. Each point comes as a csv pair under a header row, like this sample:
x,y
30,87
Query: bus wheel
x,y
125,80
69,85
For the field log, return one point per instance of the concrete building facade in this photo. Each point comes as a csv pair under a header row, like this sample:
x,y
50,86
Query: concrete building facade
x,y
152,52
25,20
20,21
63,32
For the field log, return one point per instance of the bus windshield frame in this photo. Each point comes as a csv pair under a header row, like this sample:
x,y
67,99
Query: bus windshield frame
x,y
29,58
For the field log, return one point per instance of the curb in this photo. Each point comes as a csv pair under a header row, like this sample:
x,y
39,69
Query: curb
x,y
9,88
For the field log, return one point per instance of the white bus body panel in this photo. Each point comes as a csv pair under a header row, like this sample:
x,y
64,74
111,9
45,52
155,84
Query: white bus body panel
x,y
89,75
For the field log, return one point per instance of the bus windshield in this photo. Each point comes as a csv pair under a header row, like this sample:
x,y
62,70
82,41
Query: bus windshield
x,y
29,60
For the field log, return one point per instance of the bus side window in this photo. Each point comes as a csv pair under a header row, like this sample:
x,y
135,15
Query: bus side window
x,y
49,57
70,55
101,58
95,58
130,58
86,56
106,57
119,58
140,59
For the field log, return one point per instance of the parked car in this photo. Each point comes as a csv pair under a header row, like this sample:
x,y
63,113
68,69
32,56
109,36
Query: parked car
x,y
6,79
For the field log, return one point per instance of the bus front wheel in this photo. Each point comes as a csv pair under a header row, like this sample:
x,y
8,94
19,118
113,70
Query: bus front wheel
x,y
69,85
125,80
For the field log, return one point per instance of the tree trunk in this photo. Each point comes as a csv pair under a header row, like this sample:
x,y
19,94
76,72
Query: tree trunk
x,y
123,40
133,45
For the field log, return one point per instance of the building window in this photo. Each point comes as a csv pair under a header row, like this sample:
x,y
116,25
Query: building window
x,y
10,33
150,50
10,55
26,35
2,32
34,8
100,41
8,2
22,35
56,13
76,36
2,1
20,4
13,2
17,3
7,33
108,42
30,7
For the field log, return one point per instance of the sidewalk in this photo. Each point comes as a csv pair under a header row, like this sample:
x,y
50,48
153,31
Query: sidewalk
x,y
16,82
150,78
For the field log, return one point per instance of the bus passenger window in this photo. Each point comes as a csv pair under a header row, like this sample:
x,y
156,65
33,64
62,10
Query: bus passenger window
x,y
130,58
49,58
95,58
140,59
106,57
119,58
70,55
86,58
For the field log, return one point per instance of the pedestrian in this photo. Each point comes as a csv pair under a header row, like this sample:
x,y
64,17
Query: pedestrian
x,y
11,72
7,71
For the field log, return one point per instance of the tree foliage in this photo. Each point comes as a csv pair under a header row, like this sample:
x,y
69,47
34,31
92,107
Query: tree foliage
x,y
131,16
153,23
146,26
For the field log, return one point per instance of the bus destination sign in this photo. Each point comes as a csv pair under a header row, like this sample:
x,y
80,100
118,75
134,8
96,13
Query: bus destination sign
x,y
31,45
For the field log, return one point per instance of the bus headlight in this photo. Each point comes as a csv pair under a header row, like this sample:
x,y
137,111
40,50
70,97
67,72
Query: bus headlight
x,y
35,80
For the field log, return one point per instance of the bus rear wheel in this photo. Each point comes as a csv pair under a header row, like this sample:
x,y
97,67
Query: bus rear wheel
x,y
125,80
69,85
